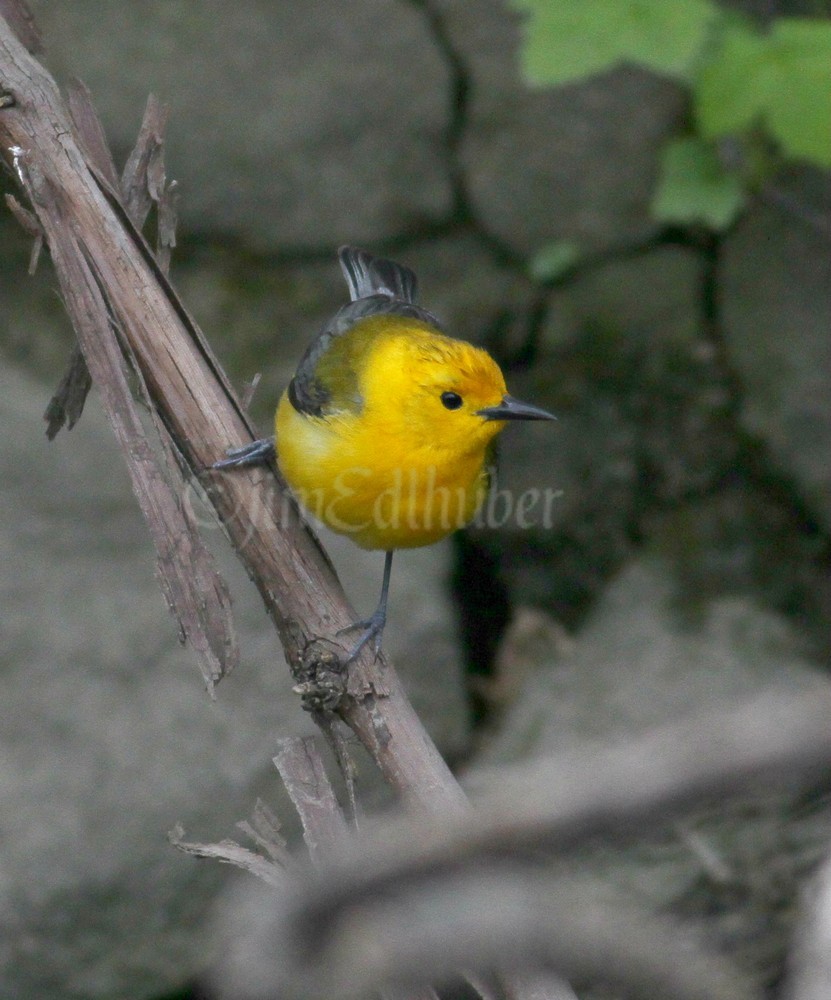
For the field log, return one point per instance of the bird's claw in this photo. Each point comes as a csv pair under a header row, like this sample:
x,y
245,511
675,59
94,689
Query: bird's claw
x,y
373,630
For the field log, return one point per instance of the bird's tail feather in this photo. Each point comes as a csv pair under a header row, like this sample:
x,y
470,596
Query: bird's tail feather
x,y
368,275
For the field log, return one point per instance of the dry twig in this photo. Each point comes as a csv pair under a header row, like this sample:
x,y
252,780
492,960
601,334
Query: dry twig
x,y
304,775
231,853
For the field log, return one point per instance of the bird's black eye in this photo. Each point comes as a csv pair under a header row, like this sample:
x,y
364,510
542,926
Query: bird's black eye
x,y
452,400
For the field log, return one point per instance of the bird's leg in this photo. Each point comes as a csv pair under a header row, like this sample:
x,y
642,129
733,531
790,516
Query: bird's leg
x,y
256,453
374,625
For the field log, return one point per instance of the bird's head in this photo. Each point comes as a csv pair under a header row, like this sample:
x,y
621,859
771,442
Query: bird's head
x,y
446,393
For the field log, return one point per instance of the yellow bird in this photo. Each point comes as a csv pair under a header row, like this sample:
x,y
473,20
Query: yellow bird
x,y
386,431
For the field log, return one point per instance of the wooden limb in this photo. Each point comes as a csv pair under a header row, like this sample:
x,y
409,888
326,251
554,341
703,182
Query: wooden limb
x,y
194,590
19,18
203,416
564,800
67,403
503,916
66,406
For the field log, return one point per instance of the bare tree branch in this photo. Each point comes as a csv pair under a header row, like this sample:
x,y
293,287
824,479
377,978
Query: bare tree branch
x,y
194,590
502,917
17,15
561,801
198,407
67,403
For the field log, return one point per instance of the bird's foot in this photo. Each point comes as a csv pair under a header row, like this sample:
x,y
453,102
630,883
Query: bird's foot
x,y
373,628
256,453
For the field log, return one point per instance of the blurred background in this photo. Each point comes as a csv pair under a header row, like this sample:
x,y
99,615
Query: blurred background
x,y
635,218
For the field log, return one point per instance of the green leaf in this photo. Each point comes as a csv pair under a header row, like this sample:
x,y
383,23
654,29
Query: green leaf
x,y
694,187
553,260
781,80
727,99
799,107
566,40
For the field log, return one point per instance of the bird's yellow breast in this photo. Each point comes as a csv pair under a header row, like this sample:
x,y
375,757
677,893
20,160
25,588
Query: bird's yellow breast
x,y
351,476
400,470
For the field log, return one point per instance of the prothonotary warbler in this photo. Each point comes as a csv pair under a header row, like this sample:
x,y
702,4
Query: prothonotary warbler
x,y
386,431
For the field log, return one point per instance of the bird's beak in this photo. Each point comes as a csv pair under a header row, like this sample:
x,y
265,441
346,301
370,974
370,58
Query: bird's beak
x,y
513,409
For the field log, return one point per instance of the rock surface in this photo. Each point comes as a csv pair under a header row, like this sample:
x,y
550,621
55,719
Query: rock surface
x,y
643,659
777,302
293,125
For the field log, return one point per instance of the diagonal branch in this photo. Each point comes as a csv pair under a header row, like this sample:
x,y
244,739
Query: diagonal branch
x,y
20,20
196,404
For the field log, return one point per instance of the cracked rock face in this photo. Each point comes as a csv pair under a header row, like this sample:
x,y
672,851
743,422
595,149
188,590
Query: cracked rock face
x,y
777,301
295,125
